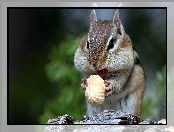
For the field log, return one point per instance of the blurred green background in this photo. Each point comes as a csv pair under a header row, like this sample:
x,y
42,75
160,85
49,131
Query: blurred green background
x,y
43,82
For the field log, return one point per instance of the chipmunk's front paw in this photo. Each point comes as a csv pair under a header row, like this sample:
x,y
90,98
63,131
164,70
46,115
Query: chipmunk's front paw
x,y
84,84
108,89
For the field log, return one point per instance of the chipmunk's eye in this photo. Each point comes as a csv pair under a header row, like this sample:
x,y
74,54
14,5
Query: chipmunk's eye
x,y
87,44
111,44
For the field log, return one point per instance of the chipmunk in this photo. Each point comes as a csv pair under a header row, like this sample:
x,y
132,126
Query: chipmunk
x,y
108,51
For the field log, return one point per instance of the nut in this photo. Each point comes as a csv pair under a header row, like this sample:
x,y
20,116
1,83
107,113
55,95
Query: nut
x,y
95,91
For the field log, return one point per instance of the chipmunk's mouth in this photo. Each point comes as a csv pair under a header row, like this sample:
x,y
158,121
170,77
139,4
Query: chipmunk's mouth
x,y
103,73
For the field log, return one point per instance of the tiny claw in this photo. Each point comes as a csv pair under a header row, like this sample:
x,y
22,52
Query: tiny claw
x,y
108,90
108,94
106,83
84,84
84,81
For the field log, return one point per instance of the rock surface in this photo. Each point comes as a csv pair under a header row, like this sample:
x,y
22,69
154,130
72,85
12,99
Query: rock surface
x,y
123,122
105,117
105,128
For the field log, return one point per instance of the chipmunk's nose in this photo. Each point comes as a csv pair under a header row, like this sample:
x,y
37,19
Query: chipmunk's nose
x,y
93,62
94,65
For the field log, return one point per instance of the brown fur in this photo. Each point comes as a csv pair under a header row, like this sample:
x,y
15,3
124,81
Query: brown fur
x,y
127,79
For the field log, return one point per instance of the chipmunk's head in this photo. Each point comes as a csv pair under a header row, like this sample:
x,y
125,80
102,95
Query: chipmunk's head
x,y
104,42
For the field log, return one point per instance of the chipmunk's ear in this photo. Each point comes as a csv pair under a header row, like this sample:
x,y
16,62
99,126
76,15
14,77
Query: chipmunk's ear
x,y
118,24
93,18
